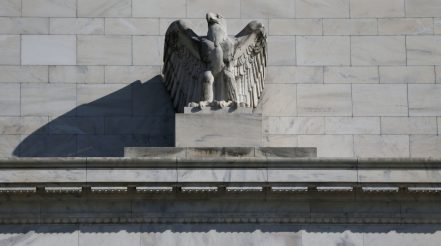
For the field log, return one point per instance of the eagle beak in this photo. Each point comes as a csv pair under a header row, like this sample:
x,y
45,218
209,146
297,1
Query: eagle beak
x,y
211,19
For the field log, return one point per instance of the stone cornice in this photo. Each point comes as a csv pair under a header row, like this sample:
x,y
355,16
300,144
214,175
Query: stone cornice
x,y
289,173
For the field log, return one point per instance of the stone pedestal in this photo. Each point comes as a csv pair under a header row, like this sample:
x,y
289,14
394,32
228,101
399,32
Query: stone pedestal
x,y
218,128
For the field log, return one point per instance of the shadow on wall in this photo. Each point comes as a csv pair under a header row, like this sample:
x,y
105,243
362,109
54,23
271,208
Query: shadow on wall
x,y
140,114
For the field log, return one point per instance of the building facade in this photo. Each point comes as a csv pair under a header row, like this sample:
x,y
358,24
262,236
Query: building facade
x,y
356,79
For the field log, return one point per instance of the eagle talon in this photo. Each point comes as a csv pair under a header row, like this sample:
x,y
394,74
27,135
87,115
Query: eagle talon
x,y
225,104
204,104
193,105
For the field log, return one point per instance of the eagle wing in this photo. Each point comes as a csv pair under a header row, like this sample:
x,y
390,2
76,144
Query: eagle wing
x,y
182,65
249,63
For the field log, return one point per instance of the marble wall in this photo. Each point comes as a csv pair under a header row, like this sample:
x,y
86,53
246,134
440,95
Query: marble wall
x,y
352,77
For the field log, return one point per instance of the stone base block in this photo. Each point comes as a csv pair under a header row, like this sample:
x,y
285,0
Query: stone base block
x,y
218,130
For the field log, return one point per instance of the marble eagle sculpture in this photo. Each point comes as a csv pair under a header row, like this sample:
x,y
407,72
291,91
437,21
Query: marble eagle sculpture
x,y
214,70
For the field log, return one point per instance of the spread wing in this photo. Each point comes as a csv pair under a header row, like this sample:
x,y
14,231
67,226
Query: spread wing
x,y
249,63
182,65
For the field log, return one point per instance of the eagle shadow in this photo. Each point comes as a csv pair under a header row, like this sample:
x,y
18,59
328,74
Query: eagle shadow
x,y
139,114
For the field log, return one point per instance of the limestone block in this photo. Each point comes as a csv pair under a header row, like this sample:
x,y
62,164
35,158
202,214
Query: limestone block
x,y
408,125
112,145
437,26
76,74
132,175
12,25
119,105
75,125
377,8
22,125
199,26
49,235
104,50
332,237
132,26
48,50
218,235
90,235
129,74
329,145
350,26
280,140
295,26
351,75
399,176
293,75
438,74
160,152
160,8
233,130
151,98
10,8
423,8
324,100
84,26
323,50
379,100
322,8
49,8
8,143
403,26
227,8
378,50
397,236
147,50
267,9
352,125
425,100
383,146
23,74
311,175
9,49
294,125
281,50
286,152
423,50
9,99
279,100
47,99
104,8
152,125
222,175
43,145
43,175
408,74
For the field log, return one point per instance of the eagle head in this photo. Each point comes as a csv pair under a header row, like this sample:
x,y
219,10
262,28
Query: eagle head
x,y
213,19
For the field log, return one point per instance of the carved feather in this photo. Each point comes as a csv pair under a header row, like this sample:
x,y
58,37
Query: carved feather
x,y
182,65
250,62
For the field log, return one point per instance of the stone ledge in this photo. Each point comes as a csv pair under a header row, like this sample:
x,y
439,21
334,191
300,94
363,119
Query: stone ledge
x,y
220,171
214,152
